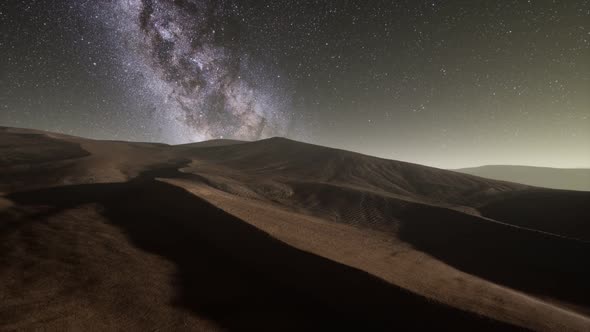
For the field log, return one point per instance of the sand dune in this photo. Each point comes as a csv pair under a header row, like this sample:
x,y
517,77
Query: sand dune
x,y
277,235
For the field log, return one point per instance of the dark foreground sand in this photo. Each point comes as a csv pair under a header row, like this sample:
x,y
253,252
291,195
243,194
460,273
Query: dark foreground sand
x,y
277,235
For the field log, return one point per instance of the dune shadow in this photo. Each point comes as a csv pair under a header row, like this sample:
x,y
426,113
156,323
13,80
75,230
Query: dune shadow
x,y
534,262
555,211
243,279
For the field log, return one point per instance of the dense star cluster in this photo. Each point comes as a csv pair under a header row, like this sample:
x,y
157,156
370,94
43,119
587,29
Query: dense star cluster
x,y
196,66
444,83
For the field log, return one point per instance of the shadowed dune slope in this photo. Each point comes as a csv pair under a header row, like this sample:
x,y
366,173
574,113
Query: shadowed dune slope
x,y
228,272
512,256
559,212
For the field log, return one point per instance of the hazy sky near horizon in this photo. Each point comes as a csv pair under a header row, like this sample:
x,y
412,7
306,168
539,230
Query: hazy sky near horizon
x,y
443,83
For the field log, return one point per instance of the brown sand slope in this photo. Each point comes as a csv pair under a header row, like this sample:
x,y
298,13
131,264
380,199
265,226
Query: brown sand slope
x,y
276,235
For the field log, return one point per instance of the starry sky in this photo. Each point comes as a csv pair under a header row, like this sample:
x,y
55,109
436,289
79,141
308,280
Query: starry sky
x,y
443,83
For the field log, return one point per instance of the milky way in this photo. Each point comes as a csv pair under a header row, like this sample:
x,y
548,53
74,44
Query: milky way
x,y
448,83
192,64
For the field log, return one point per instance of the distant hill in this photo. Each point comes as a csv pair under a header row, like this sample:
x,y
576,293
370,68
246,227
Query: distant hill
x,y
556,178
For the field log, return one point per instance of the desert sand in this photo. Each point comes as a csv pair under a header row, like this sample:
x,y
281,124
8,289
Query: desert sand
x,y
277,235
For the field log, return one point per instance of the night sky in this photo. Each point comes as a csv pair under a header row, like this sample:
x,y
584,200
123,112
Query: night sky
x,y
442,83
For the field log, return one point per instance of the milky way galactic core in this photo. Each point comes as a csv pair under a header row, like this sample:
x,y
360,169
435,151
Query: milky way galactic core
x,y
193,64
